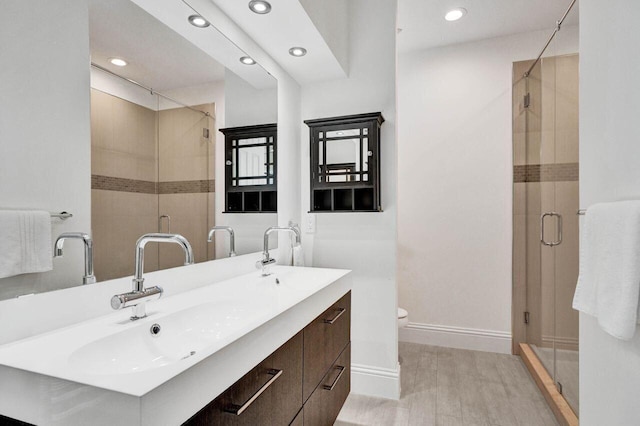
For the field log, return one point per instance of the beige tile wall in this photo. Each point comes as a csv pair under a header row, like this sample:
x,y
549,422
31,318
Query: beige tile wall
x,y
147,163
186,161
118,220
123,138
123,146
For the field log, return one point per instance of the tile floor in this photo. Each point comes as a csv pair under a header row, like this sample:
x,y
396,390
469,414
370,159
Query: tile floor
x,y
443,386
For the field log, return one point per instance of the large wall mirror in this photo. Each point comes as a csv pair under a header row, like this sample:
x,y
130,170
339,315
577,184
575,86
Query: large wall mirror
x,y
157,156
154,151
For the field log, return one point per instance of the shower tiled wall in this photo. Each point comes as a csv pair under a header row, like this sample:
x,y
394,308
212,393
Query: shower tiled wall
x,y
124,171
186,176
145,164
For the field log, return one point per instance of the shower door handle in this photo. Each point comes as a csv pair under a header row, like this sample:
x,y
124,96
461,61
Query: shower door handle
x,y
164,216
558,241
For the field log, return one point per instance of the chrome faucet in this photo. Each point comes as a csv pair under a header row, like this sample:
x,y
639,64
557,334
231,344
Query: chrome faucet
x,y
138,297
88,277
266,259
232,237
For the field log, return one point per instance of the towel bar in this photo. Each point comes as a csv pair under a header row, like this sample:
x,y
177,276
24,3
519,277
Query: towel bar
x,y
62,215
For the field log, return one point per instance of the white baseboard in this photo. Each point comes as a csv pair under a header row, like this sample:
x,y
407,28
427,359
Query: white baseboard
x,y
375,381
457,337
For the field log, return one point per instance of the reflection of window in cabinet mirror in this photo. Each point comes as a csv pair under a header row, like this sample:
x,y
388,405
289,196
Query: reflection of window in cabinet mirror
x,y
250,169
345,163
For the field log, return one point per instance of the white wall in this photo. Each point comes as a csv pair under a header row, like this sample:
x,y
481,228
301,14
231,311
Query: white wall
x,y
45,126
288,113
331,19
609,171
244,106
122,89
363,242
455,188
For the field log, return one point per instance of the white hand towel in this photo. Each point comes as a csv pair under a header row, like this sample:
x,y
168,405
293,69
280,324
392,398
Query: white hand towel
x,y
25,242
609,281
298,255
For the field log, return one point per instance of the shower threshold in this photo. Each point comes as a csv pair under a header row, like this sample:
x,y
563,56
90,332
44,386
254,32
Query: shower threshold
x,y
558,404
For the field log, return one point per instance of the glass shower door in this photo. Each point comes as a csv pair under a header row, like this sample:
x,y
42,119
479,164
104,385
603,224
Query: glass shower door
x,y
545,221
563,258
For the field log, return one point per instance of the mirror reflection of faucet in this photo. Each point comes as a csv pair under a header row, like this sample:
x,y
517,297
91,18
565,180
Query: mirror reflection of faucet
x,y
267,260
88,277
138,297
232,237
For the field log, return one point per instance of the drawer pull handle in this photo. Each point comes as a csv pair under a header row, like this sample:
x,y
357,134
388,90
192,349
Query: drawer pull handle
x,y
239,409
338,315
335,382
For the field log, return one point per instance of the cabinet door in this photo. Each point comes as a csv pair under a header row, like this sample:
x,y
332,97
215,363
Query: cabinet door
x,y
270,394
322,408
324,340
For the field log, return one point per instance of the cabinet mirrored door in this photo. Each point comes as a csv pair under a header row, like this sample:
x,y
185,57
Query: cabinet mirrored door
x,y
251,169
345,165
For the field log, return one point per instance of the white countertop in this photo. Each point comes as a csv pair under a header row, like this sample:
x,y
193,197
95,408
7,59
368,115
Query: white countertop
x,y
224,311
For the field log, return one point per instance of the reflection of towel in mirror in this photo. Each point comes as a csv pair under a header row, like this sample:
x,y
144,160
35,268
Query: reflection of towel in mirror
x,y
25,242
609,282
298,255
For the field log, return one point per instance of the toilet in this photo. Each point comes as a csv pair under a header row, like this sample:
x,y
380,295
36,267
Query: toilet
x,y
403,318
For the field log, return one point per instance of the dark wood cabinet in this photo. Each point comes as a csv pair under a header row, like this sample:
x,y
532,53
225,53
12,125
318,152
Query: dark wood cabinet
x,y
299,420
269,394
345,163
251,169
322,408
324,339
304,382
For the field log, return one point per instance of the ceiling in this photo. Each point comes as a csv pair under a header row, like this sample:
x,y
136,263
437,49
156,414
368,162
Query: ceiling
x,y
286,26
423,25
157,56
164,51
189,56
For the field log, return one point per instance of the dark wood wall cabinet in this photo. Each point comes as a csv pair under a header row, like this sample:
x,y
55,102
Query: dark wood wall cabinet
x,y
345,163
303,383
251,169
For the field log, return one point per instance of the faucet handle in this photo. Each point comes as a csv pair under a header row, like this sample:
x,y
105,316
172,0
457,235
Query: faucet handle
x,y
264,265
132,298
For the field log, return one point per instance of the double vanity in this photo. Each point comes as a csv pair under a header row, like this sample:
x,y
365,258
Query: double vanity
x,y
251,349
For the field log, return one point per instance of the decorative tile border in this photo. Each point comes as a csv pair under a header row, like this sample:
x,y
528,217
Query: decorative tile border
x,y
109,183
187,187
561,172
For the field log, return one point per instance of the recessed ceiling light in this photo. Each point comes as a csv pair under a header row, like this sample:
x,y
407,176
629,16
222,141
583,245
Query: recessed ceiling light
x,y
118,62
198,21
297,51
455,14
247,60
260,6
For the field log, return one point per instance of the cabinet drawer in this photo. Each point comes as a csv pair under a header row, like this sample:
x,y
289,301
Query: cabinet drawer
x,y
324,404
324,340
269,394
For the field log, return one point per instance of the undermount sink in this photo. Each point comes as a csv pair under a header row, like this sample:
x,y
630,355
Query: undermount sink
x,y
157,342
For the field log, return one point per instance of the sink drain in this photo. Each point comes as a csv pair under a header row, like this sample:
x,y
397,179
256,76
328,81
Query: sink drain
x,y
190,354
155,329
